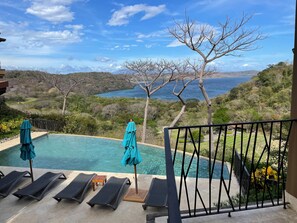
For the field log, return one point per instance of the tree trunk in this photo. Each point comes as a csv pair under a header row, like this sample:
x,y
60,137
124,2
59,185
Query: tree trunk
x,y
209,114
64,105
145,119
181,112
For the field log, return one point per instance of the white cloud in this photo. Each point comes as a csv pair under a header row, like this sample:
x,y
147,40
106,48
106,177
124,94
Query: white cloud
x,y
75,27
124,47
160,33
55,65
122,16
175,43
55,11
103,59
288,20
22,40
63,36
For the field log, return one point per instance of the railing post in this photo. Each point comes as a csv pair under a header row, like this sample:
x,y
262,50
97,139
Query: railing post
x,y
173,204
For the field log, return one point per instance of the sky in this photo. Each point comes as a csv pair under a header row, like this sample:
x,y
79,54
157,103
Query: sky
x,y
65,36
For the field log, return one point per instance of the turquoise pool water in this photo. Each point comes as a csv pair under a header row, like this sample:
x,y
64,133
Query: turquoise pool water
x,y
96,154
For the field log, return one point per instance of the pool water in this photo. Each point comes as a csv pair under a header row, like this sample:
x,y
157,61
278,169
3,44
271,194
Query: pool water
x,y
71,152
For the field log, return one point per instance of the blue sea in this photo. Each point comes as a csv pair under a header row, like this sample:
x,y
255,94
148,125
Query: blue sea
x,y
213,86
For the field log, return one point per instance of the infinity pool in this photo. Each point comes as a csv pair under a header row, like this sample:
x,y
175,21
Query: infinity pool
x,y
70,152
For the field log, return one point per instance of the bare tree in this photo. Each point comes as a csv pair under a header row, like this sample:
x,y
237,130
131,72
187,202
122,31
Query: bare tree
x,y
150,76
185,76
64,84
211,43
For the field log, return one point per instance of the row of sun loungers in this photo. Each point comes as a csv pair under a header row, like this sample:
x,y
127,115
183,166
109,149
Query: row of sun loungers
x,y
109,195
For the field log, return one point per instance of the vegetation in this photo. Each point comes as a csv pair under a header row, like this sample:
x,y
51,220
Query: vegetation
x,y
10,121
265,97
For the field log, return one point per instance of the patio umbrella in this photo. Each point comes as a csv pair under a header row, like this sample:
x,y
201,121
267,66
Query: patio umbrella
x,y
131,155
27,148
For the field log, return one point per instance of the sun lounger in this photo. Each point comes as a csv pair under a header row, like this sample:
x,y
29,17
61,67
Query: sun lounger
x,y
157,194
76,189
1,174
111,193
39,187
8,182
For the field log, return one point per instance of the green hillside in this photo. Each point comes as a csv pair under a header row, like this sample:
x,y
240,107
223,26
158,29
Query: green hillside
x,y
265,97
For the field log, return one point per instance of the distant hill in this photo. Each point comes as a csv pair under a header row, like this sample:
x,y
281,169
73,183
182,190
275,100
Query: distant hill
x,y
235,73
29,83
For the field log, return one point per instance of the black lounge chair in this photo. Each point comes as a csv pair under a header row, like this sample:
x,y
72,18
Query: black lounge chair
x,y
8,182
157,194
39,187
1,174
111,192
77,189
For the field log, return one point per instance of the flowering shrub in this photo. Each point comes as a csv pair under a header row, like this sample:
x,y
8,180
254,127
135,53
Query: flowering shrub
x,y
258,176
6,127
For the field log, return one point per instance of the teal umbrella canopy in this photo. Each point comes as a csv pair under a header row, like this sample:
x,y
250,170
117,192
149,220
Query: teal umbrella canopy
x,y
27,147
131,155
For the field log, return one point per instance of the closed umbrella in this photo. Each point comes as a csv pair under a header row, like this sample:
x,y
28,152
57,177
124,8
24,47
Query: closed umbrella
x,y
132,157
27,148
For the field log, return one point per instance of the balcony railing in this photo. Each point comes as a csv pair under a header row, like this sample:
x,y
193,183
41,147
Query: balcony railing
x,y
244,166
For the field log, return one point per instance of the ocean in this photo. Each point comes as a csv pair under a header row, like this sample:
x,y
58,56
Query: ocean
x,y
213,86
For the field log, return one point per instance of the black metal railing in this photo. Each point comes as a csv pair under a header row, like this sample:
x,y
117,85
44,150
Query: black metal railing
x,y
49,125
241,172
245,166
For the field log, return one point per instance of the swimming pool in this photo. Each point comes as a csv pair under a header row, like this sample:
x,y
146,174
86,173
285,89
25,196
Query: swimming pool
x,y
72,152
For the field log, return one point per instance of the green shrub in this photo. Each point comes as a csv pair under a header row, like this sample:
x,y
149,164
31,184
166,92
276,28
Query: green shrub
x,y
81,124
195,135
221,116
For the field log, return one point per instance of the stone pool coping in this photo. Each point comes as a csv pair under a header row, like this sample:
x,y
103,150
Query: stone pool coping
x,y
16,141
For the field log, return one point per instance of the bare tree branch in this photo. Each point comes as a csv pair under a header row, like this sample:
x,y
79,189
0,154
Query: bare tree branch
x,y
151,76
63,85
185,76
212,43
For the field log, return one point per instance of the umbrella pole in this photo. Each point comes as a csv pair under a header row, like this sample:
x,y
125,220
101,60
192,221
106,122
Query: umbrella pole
x,y
136,186
30,162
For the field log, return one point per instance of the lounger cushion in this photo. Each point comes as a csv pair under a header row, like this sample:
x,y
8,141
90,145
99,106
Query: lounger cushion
x,y
76,189
39,187
157,195
110,193
8,182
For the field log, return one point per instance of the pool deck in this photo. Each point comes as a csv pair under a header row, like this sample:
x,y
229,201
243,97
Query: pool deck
x,y
16,141
14,210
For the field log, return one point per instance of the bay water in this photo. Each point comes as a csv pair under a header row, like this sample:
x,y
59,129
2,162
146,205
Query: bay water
x,y
213,86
